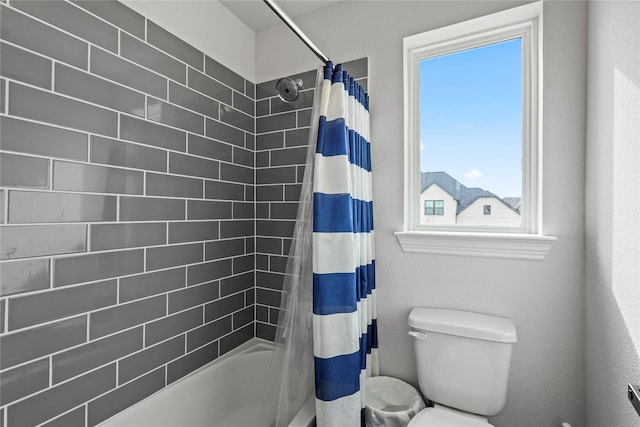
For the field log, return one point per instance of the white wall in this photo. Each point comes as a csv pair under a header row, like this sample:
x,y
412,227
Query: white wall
x,y
208,26
544,298
613,213
450,206
501,214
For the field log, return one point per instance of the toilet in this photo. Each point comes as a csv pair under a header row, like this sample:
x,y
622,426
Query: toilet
x,y
463,362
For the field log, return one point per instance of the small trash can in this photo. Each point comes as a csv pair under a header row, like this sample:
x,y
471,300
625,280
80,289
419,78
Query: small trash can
x,y
390,402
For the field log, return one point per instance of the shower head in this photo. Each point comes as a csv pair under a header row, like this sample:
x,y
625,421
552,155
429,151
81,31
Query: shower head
x,y
289,89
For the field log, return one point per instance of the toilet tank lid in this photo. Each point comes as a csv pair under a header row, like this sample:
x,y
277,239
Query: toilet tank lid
x,y
464,324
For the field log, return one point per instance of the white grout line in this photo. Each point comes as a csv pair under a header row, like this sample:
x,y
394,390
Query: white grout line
x,y
5,206
6,96
5,314
53,75
88,338
52,274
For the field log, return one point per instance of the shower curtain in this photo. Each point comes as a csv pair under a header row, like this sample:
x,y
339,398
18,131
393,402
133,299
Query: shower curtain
x,y
326,338
344,310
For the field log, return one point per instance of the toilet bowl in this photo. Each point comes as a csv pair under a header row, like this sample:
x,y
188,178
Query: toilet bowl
x,y
463,362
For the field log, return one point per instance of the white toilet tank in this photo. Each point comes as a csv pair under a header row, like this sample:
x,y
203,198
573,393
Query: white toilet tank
x,y
463,358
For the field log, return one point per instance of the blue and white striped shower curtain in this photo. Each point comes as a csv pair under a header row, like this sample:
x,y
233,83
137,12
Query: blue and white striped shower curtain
x,y
344,312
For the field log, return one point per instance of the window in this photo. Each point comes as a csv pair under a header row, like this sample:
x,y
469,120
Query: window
x,y
434,207
472,127
470,130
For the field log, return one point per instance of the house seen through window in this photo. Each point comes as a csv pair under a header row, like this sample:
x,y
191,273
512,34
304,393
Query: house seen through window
x,y
470,111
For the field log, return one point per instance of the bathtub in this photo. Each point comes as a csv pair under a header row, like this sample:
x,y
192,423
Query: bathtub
x,y
227,392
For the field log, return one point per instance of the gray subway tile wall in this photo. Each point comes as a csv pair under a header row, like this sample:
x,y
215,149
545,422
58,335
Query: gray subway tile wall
x,y
191,231
115,68
221,131
60,398
193,100
151,209
23,380
72,270
30,344
25,207
187,363
167,42
152,58
127,235
153,134
210,148
88,87
73,20
176,324
48,107
168,114
24,276
84,358
146,211
124,316
221,73
122,397
74,417
25,66
201,273
193,166
186,298
151,357
117,14
43,307
23,171
26,32
33,138
81,177
127,220
149,284
173,186
108,151
224,248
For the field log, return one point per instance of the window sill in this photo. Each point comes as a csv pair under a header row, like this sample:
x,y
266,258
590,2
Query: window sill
x,y
488,245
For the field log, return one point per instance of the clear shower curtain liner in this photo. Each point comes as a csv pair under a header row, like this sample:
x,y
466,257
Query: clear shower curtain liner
x,y
326,338
291,379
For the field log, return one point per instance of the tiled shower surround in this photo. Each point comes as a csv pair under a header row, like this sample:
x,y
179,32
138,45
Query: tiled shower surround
x,y
147,203
282,132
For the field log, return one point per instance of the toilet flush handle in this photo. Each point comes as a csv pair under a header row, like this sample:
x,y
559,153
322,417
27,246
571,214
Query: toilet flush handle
x,y
418,335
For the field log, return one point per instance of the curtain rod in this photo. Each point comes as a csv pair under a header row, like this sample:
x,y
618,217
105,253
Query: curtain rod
x,y
282,15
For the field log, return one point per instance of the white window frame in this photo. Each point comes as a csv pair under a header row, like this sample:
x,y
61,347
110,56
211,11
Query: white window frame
x,y
526,241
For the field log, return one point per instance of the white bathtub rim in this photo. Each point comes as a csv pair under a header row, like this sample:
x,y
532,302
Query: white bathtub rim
x,y
253,345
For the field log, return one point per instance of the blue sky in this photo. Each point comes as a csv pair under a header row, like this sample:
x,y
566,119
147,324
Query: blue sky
x,y
471,117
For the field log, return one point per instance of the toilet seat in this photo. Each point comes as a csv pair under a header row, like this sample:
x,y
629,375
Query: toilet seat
x,y
439,417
